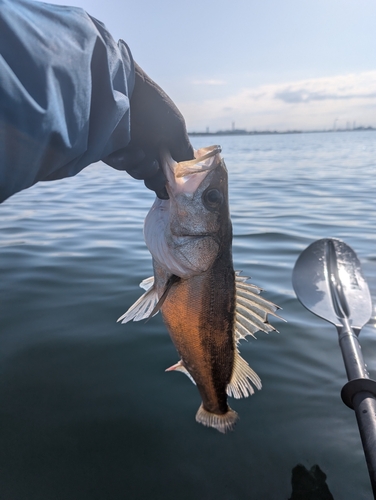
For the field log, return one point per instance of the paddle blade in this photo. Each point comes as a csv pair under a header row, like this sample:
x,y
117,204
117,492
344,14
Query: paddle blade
x,y
328,281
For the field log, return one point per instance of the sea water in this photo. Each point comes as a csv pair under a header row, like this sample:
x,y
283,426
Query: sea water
x,y
86,408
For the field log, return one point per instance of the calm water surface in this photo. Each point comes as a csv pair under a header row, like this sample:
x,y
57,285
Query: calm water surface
x,y
87,411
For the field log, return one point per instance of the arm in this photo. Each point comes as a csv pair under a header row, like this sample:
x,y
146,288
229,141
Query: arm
x,y
65,93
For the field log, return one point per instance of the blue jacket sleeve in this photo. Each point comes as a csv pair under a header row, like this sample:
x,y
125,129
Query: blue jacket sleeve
x,y
65,87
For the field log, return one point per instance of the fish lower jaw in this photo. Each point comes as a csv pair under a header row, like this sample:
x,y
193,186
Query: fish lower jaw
x,y
222,423
181,241
180,237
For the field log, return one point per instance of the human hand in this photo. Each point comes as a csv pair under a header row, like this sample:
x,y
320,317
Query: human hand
x,y
155,121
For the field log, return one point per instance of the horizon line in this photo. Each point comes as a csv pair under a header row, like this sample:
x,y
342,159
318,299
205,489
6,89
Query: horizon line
x,y
268,132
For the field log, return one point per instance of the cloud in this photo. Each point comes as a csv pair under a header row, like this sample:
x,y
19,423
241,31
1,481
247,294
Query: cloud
x,y
306,105
290,95
296,96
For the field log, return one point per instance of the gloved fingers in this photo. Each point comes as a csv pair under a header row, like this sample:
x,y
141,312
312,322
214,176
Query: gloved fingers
x,y
158,185
181,150
156,121
125,158
140,166
146,169
134,160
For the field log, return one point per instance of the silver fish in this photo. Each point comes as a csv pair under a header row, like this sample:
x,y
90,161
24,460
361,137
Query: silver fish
x,y
207,306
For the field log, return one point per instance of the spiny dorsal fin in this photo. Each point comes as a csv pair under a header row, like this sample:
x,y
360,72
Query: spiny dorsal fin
x,y
144,306
251,309
242,375
251,315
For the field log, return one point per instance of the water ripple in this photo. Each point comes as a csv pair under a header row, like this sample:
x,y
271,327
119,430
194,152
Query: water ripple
x,y
87,399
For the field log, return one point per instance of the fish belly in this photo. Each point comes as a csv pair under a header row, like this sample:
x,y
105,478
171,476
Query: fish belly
x,y
199,315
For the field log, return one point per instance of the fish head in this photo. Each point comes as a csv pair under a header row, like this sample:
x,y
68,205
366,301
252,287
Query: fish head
x,y
186,233
198,193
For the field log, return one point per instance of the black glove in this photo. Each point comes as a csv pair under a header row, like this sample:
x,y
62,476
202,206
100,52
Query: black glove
x,y
155,121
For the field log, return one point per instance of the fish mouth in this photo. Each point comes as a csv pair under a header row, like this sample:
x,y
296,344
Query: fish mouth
x,y
186,176
199,163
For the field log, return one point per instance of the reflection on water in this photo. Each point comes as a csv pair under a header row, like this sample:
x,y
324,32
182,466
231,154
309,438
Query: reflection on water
x,y
87,410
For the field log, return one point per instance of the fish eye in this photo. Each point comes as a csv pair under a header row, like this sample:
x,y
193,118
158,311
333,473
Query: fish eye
x,y
212,198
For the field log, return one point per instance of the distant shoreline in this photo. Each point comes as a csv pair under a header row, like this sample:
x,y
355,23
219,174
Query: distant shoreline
x,y
275,132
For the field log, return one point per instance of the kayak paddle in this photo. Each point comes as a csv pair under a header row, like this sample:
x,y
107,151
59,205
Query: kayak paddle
x,y
328,281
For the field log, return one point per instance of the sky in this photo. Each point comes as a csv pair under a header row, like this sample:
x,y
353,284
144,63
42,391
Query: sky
x,y
254,64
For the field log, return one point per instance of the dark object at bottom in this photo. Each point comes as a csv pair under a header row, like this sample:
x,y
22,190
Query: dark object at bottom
x,y
309,484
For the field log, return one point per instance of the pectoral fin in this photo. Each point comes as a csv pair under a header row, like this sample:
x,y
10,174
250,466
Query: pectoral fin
x,y
144,307
148,305
171,281
147,283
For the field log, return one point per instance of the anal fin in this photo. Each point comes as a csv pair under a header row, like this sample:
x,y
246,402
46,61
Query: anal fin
x,y
242,375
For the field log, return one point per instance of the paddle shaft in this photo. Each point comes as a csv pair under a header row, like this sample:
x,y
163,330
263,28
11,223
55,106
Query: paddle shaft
x,y
364,402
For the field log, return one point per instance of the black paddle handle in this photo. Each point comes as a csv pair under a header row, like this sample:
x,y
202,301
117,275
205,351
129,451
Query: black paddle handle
x,y
360,395
365,410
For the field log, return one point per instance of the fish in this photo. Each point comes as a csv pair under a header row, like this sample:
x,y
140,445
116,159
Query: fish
x,y
206,305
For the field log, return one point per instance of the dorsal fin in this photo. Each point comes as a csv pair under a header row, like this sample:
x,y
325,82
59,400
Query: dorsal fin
x,y
251,309
251,315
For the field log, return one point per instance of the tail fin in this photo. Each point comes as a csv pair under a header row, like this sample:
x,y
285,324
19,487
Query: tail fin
x,y
222,423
